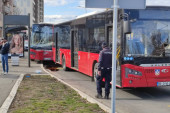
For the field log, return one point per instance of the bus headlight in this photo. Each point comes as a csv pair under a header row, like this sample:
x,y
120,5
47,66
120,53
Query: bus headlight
x,y
132,72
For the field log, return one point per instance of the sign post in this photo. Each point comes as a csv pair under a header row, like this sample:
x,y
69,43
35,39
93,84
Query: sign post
x,y
29,39
115,4
114,53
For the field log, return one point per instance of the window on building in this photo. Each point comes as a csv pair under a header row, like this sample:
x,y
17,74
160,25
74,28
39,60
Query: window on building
x,y
28,3
25,11
21,2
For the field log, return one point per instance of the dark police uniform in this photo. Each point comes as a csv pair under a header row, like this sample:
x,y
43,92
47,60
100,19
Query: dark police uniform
x,y
105,66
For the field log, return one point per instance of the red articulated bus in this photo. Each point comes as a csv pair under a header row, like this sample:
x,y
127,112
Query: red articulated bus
x,y
42,39
143,45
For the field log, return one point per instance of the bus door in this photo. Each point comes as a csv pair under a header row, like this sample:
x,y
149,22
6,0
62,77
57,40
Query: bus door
x,y
74,49
109,36
57,48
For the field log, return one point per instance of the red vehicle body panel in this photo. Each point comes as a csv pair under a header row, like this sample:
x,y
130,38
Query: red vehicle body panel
x,y
148,78
67,54
32,54
93,57
85,61
153,78
41,55
48,55
54,54
137,81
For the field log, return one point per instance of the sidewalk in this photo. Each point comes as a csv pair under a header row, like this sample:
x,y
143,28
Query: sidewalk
x,y
7,81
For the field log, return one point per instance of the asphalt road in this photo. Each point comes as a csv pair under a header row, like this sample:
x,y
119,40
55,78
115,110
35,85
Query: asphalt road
x,y
135,100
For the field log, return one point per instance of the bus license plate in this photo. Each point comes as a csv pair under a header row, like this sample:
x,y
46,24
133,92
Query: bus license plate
x,y
163,83
47,58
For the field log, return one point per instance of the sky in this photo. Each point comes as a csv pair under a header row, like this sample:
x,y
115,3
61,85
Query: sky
x,y
57,11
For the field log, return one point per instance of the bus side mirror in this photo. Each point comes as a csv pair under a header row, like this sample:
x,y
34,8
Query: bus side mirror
x,y
126,27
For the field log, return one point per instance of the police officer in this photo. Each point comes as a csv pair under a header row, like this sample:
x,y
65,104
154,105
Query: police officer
x,y
104,71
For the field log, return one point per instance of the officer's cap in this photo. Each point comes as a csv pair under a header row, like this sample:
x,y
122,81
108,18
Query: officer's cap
x,y
104,44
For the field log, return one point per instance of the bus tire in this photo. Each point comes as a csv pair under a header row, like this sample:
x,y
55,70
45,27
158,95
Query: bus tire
x,y
95,71
64,64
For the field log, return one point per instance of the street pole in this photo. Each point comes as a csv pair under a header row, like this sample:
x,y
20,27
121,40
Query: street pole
x,y
3,27
29,37
114,53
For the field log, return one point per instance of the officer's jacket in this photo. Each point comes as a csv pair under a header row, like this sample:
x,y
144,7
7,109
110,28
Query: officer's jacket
x,y
105,59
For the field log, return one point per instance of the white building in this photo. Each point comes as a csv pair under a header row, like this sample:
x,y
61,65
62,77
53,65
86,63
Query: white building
x,y
25,7
39,11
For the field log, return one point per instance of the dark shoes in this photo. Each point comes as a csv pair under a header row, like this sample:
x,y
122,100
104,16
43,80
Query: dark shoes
x,y
99,96
106,97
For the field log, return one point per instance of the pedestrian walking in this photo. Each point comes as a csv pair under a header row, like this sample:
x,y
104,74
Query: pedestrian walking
x,y
104,71
4,46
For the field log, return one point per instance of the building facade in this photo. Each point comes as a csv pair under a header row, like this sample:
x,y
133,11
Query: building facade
x,y
26,7
1,18
34,7
7,7
39,11
22,7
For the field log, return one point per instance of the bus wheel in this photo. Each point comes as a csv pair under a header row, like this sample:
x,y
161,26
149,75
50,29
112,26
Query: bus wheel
x,y
95,71
64,64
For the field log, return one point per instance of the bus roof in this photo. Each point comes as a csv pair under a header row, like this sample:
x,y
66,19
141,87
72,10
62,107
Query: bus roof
x,y
43,23
102,11
83,16
157,6
91,13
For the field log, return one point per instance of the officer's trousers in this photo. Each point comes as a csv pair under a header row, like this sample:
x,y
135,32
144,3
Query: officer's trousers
x,y
105,73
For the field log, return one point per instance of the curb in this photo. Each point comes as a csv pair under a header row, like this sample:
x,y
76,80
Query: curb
x,y
5,106
82,94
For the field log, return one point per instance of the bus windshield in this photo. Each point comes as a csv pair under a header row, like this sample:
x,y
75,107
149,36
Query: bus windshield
x,y
42,36
150,34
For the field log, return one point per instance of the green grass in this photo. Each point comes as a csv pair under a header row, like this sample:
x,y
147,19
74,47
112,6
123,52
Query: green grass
x,y
43,94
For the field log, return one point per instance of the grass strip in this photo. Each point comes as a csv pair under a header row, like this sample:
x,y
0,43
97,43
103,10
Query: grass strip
x,y
44,94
